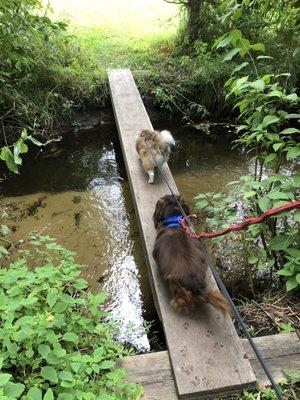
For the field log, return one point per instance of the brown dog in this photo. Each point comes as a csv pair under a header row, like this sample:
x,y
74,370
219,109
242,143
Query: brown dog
x,y
181,260
154,148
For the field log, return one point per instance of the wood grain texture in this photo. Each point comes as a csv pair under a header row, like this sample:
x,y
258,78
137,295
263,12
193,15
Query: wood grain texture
x,y
154,371
205,351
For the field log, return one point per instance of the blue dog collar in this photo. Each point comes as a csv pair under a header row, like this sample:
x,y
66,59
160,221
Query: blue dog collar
x,y
173,221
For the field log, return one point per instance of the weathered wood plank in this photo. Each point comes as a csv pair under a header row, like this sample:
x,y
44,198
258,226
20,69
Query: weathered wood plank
x,y
154,371
205,351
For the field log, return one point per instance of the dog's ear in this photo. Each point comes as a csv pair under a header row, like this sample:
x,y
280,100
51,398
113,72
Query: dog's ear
x,y
158,213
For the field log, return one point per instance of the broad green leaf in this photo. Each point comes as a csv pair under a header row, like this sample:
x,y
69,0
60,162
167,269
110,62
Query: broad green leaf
x,y
231,54
239,67
270,119
44,350
235,35
298,278
3,250
293,153
49,373
291,116
7,156
280,242
292,375
52,297
276,146
292,97
285,272
65,375
49,395
247,195
60,306
223,41
100,298
244,44
105,396
4,378
264,203
297,216
17,158
107,364
70,337
291,284
270,157
259,85
293,252
201,204
276,194
4,230
296,180
275,93
68,396
13,390
289,131
80,284
258,47
34,393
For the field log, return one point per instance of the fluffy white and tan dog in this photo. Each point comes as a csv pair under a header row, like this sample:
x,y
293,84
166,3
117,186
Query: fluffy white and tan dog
x,y
154,147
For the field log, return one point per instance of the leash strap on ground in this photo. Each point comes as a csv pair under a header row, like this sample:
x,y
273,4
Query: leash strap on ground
x,y
223,288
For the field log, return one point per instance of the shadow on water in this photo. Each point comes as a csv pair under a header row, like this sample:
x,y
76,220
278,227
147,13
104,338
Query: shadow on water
x,y
81,197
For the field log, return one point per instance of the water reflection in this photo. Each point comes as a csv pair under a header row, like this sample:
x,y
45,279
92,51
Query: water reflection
x,y
79,198
82,198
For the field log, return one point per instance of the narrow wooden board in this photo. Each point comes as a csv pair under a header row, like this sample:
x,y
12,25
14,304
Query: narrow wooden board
x,y
153,370
205,351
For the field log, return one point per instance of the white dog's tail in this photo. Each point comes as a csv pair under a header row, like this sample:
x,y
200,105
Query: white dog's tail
x,y
167,138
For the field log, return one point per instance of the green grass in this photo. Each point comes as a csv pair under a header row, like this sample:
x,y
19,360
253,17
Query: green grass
x,y
120,33
113,48
141,35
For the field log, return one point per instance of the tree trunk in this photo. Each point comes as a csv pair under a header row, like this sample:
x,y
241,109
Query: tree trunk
x,y
194,19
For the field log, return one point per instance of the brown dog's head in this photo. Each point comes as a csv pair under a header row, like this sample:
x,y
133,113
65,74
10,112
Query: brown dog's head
x,y
167,206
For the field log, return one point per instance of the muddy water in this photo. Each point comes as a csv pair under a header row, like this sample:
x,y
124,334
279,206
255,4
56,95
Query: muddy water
x,y
81,196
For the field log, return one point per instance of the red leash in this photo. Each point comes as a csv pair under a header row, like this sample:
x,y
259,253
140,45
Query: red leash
x,y
238,227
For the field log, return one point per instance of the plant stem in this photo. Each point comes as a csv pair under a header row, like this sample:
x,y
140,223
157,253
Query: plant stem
x,y
7,241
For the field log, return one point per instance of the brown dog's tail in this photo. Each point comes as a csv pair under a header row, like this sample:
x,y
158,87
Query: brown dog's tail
x,y
216,299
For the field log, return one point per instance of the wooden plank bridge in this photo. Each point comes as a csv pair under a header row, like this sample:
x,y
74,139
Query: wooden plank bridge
x,y
206,354
154,372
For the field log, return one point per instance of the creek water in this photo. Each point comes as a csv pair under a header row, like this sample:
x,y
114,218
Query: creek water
x,y
80,196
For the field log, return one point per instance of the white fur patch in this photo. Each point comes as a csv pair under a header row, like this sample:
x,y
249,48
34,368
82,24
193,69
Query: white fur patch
x,y
167,138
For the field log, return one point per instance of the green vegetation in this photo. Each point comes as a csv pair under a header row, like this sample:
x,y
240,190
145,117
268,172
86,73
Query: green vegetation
x,y
54,341
51,69
267,111
44,74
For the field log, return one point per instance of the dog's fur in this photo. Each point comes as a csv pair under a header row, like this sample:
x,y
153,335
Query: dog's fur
x,y
157,143
181,261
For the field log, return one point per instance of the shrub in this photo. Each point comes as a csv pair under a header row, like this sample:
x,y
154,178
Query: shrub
x,y
44,74
54,342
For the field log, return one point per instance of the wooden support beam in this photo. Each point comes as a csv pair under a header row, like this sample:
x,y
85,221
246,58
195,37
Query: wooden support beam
x,y
205,351
154,372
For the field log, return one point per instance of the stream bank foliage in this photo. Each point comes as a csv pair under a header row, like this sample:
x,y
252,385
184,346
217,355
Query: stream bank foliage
x,y
192,76
44,74
267,111
54,341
